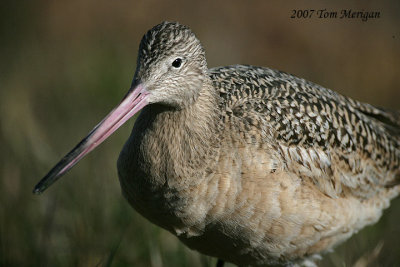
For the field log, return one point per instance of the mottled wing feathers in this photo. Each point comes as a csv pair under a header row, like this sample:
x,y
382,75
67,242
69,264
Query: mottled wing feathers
x,y
334,140
388,118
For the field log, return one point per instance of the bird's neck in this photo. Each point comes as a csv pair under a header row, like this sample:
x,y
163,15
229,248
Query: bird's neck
x,y
173,146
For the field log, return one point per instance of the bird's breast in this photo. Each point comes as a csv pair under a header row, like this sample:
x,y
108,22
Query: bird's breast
x,y
160,168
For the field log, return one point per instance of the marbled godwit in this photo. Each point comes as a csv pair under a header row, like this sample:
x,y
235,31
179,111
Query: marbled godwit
x,y
248,164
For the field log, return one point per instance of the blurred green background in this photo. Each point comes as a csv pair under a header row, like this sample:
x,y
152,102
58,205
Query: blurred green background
x,y
65,64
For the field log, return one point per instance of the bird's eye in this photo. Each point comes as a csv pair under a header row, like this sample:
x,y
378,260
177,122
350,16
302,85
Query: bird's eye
x,y
177,63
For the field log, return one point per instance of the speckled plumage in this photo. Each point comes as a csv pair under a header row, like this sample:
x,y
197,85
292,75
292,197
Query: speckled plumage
x,y
259,167
315,125
251,165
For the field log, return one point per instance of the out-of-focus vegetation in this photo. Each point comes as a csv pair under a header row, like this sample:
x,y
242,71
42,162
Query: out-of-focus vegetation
x,y
65,64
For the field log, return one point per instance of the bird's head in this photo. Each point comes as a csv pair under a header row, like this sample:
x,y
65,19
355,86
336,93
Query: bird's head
x,y
171,65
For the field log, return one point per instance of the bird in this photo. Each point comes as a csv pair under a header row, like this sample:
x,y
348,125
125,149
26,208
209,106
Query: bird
x,y
251,165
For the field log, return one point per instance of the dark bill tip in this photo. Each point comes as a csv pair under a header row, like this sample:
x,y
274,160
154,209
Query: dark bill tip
x,y
134,101
62,166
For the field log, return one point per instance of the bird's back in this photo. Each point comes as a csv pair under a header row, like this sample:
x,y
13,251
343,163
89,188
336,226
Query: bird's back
x,y
341,144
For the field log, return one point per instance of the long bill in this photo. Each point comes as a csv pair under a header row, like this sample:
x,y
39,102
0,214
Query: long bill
x,y
133,102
